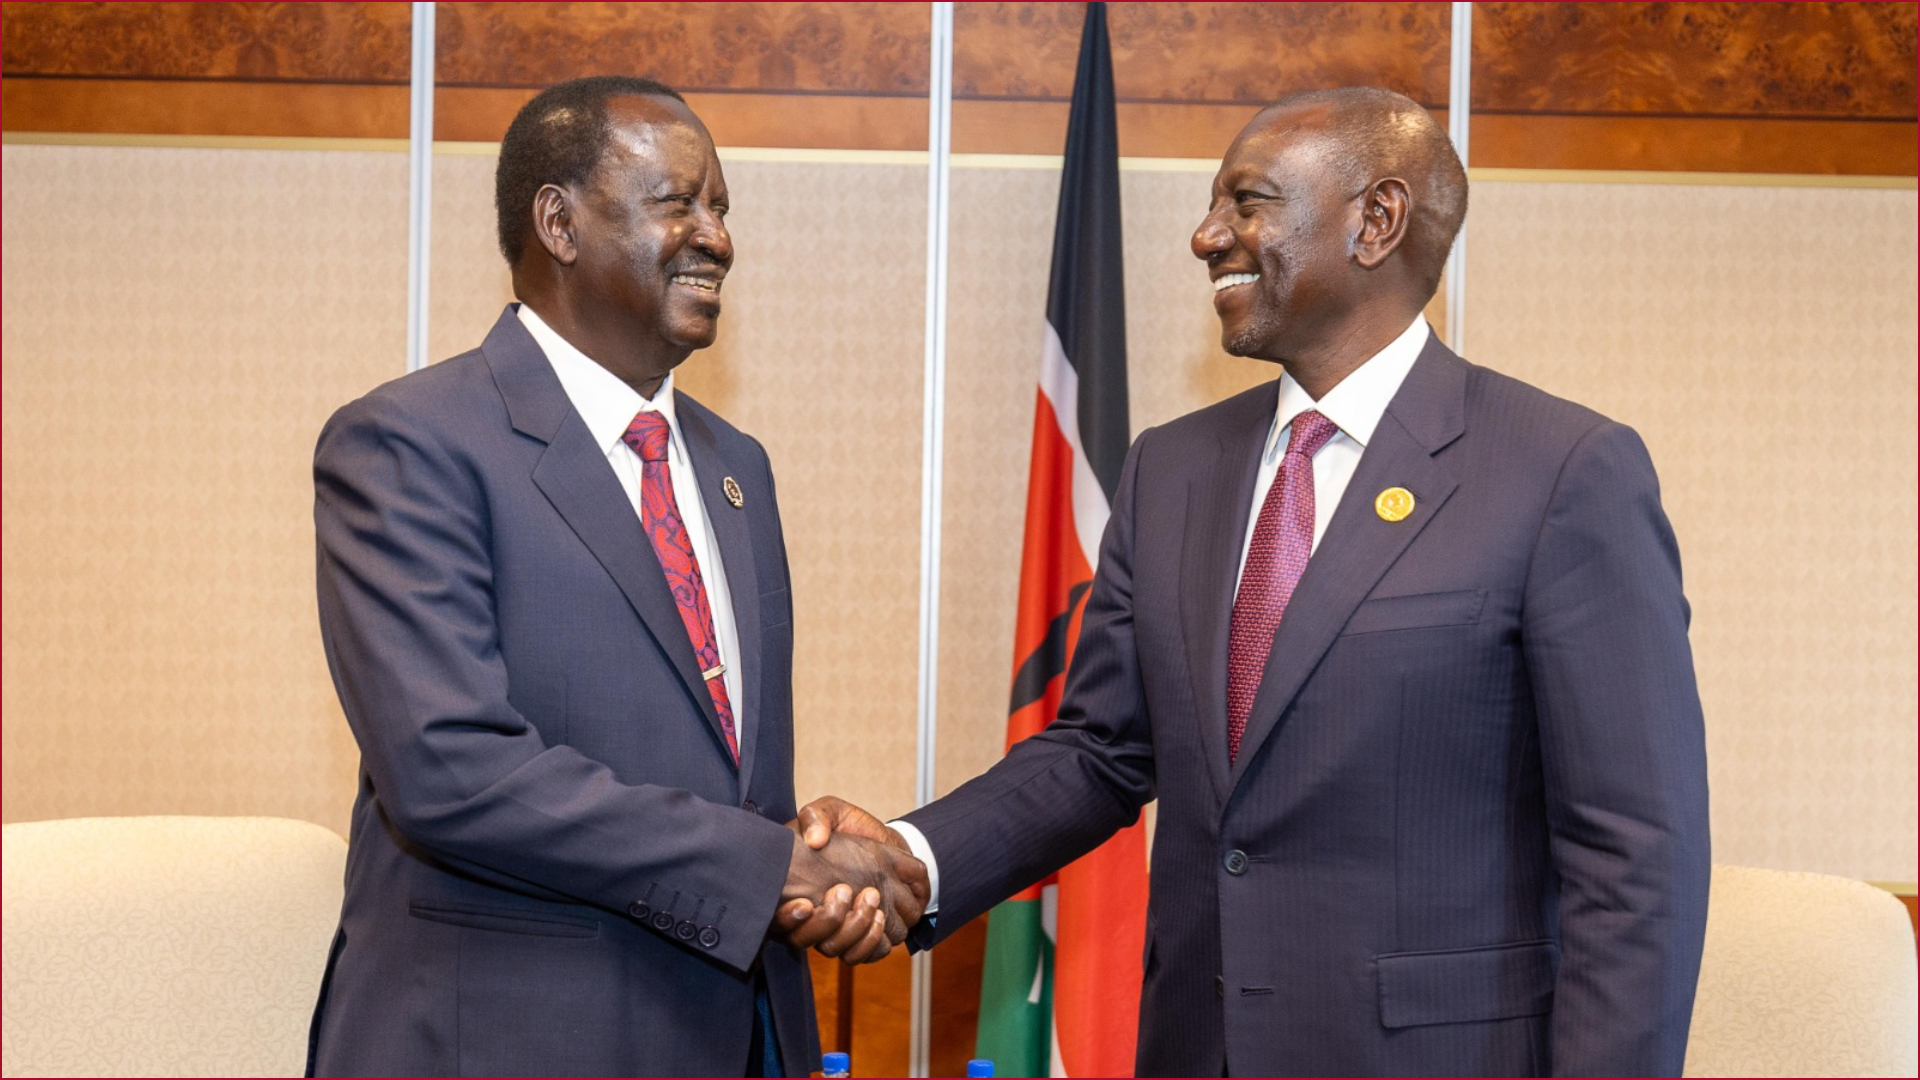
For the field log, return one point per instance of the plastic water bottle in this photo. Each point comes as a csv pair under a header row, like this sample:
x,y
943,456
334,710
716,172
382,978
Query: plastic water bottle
x,y
979,1067
837,1064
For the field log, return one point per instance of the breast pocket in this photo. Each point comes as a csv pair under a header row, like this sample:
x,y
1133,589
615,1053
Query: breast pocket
x,y
1383,614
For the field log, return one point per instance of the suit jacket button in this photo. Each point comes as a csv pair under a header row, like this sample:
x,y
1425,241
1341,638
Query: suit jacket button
x,y
663,920
709,938
1235,862
685,930
1219,986
749,807
639,910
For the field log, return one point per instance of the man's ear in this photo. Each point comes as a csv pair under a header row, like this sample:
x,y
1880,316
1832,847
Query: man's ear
x,y
1384,213
553,223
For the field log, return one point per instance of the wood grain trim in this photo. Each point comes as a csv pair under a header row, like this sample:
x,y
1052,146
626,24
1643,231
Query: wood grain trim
x,y
214,142
180,107
1841,147
1692,179
774,120
867,1016
918,159
888,123
1146,129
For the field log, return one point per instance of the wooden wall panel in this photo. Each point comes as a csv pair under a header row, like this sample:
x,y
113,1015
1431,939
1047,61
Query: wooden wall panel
x,y
481,114
301,70
846,48
1220,54
1791,88
1802,60
347,42
1802,88
1187,77
193,107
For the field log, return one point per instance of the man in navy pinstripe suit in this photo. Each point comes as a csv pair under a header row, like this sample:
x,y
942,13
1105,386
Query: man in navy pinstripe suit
x,y
1457,824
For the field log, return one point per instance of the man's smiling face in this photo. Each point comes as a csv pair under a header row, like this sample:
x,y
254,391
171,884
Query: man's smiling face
x,y
1278,236
650,229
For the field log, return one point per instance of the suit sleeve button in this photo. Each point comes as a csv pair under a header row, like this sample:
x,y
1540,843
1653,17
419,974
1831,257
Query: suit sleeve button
x,y
709,937
639,910
685,930
1235,862
662,920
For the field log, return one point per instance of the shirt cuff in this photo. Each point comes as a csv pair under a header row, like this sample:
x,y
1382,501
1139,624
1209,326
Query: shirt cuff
x,y
917,843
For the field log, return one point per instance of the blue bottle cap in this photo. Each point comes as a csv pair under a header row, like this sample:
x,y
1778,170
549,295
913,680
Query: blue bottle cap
x,y
835,1062
979,1067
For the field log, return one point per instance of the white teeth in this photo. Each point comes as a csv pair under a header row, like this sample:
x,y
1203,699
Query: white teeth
x,y
707,284
1228,281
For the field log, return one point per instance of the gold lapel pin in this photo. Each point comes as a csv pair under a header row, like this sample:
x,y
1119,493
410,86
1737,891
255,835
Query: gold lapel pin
x,y
733,493
1393,504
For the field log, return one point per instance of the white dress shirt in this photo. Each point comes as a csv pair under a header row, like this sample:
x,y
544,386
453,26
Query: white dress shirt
x,y
608,406
1355,405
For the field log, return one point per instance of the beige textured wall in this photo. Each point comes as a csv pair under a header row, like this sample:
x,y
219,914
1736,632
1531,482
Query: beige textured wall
x,y
1762,340
222,302
177,325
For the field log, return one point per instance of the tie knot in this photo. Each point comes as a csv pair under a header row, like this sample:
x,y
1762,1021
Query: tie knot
x,y
647,435
1310,432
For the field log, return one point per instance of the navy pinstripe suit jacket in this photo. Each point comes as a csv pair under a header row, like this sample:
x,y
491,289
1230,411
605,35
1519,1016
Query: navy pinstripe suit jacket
x,y
1467,830
554,868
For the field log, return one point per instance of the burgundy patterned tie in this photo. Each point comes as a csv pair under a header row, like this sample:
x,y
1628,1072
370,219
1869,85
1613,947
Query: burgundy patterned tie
x,y
1282,540
648,435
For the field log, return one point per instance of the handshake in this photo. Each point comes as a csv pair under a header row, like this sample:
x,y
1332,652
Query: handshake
x,y
853,888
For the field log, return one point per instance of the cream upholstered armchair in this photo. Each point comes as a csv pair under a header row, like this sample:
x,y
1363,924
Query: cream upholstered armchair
x,y
164,946
1803,975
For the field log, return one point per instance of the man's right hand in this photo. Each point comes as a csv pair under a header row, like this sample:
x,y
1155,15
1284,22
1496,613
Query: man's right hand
x,y
820,819
819,905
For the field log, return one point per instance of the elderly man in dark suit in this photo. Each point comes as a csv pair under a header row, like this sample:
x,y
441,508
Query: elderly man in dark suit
x,y
555,602
1400,646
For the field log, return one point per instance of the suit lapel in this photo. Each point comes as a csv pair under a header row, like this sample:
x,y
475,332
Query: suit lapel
x,y
1427,414
574,476
730,527
1219,502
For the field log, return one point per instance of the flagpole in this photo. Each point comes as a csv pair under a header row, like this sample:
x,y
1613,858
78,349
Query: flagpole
x,y
419,184
1459,117
933,428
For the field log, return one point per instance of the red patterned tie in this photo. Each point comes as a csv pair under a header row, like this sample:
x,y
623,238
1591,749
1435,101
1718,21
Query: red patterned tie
x,y
648,435
1282,540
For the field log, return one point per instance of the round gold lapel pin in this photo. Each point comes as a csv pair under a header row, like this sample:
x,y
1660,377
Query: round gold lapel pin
x,y
1393,504
733,492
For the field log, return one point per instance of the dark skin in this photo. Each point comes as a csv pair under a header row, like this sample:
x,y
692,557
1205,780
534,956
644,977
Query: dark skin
x,y
1327,291
628,267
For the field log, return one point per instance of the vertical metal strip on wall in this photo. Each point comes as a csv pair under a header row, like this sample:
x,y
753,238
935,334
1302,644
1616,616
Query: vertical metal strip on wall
x,y
1459,116
419,185
933,448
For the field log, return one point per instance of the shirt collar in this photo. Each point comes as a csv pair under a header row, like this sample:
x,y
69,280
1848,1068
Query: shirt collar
x,y
604,402
1357,402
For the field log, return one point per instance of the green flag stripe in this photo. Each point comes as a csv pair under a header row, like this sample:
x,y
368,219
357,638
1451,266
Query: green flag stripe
x,y
1016,1031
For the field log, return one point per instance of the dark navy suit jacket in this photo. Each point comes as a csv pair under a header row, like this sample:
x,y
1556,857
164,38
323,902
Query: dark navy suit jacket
x,y
554,867
1467,830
